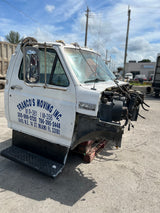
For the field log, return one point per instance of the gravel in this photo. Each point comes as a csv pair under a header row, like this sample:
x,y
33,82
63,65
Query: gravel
x,y
117,181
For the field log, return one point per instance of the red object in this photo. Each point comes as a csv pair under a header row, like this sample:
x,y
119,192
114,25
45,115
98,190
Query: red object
x,y
90,148
89,156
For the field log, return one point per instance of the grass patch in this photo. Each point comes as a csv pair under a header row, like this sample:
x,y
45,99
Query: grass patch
x,y
145,83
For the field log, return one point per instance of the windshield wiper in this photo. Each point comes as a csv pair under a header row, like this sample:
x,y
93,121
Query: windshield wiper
x,y
94,80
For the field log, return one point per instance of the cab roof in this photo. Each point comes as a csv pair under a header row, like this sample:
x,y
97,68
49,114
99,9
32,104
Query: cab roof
x,y
30,41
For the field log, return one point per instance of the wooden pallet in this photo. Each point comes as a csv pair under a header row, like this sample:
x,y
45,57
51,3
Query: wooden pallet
x,y
89,149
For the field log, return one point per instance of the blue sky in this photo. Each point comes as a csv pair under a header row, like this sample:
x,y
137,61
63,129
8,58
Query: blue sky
x,y
50,20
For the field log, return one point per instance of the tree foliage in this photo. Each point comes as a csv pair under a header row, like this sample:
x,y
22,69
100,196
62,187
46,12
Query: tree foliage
x,y
119,69
144,60
13,37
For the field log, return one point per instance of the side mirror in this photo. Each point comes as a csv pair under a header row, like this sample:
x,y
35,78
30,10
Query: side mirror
x,y
31,66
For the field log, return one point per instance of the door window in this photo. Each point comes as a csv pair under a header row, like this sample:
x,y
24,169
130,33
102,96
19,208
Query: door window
x,y
58,76
36,61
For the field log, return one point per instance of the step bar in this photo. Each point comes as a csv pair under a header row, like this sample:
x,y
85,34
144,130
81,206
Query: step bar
x,y
42,164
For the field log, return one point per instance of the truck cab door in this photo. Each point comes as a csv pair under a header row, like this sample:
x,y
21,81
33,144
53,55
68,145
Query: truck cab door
x,y
42,96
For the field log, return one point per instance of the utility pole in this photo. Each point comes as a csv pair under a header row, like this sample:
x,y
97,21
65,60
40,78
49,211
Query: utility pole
x,y
126,46
106,60
106,56
87,16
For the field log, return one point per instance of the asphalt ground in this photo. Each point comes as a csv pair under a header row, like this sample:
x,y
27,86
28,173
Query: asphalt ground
x,y
117,181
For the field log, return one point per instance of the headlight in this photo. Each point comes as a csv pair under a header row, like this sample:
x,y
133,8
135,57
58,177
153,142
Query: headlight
x,y
87,106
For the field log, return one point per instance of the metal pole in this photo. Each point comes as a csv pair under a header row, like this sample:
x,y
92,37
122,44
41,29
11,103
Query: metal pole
x,y
45,64
126,46
87,15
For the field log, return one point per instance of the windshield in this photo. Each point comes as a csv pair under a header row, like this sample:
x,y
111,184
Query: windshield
x,y
88,66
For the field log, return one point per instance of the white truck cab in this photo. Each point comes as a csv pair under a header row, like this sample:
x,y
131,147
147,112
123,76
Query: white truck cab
x,y
62,97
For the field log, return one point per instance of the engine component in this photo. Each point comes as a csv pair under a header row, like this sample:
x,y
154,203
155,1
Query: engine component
x,y
120,103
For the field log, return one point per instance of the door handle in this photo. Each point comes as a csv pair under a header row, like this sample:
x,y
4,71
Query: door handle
x,y
16,87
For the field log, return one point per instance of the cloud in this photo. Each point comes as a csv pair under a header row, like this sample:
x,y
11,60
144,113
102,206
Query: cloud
x,y
107,26
67,9
2,38
49,8
139,45
144,33
42,35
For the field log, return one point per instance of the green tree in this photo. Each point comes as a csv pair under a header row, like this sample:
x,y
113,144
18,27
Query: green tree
x,y
145,60
13,37
119,69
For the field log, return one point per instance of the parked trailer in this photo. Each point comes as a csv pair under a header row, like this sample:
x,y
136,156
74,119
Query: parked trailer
x,y
6,51
156,79
63,97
